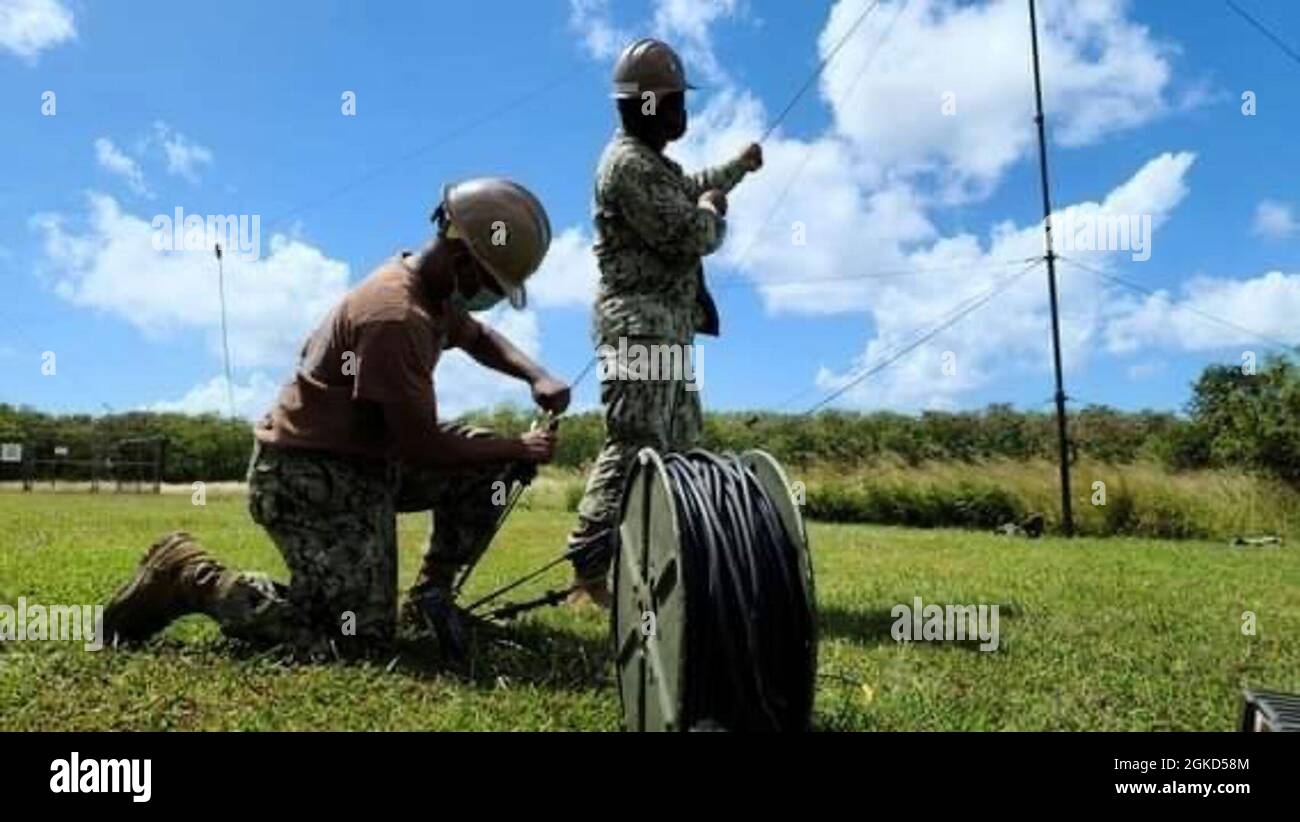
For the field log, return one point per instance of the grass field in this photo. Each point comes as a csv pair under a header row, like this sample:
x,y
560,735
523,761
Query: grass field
x,y
1096,634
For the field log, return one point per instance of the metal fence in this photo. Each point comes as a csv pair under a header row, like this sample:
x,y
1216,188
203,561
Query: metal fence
x,y
130,465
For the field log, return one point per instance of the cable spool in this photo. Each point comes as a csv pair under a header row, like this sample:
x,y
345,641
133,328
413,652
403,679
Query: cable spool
x,y
714,622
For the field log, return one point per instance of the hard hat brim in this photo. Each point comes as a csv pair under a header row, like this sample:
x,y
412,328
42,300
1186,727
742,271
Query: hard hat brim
x,y
632,94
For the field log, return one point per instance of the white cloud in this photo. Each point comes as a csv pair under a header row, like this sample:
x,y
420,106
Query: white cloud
x,y
463,385
252,398
1275,221
1243,310
887,86
600,37
111,158
109,263
569,275
460,383
684,24
1006,339
28,27
861,242
687,26
184,158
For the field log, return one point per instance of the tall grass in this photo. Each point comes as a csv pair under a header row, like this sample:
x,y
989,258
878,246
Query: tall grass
x,y
1139,499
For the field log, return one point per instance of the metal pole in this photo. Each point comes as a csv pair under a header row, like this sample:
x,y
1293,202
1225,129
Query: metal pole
x,y
1067,516
225,341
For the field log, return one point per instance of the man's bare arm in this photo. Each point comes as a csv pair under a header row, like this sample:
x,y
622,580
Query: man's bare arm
x,y
420,440
494,350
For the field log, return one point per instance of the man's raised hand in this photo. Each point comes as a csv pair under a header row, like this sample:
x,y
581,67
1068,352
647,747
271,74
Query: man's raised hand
x,y
551,395
716,199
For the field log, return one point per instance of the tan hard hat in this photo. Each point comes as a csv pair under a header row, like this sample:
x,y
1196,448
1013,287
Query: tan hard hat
x,y
505,227
648,65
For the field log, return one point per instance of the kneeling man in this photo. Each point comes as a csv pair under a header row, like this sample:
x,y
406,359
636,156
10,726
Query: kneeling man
x,y
354,438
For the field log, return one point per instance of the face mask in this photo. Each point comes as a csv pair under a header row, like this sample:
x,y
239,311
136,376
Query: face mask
x,y
674,117
482,300
675,128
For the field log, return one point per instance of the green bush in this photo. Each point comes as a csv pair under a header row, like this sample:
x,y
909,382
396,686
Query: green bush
x,y
1120,513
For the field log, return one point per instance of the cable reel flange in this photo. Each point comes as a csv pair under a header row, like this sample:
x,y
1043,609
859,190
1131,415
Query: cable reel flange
x,y
648,620
775,481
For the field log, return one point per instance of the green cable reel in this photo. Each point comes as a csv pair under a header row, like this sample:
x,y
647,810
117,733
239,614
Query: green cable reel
x,y
651,587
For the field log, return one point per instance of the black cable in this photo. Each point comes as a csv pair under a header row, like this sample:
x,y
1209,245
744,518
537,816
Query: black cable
x,y
750,643
1264,30
443,138
821,67
879,274
969,305
808,150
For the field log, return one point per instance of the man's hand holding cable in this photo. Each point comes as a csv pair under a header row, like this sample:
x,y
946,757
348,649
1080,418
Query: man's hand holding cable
x,y
537,445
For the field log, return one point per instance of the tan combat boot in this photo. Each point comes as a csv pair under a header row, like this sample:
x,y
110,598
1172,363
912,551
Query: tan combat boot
x,y
176,577
593,590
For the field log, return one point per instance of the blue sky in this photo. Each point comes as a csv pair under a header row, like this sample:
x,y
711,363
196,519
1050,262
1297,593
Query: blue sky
x,y
906,208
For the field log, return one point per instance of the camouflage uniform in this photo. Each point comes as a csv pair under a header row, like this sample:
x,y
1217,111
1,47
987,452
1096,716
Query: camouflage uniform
x,y
333,520
650,237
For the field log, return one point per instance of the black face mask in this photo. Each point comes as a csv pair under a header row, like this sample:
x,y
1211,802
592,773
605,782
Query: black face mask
x,y
667,124
673,117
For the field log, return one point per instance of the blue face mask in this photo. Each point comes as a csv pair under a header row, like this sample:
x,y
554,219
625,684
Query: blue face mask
x,y
482,300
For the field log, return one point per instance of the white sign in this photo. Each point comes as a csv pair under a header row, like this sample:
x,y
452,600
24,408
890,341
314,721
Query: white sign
x,y
11,452
60,450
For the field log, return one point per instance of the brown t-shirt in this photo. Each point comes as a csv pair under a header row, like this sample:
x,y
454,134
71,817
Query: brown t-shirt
x,y
380,344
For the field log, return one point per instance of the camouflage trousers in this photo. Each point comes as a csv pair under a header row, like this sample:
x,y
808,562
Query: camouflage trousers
x,y
333,519
662,414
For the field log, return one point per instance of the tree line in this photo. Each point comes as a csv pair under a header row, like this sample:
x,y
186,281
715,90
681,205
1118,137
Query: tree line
x,y
1234,419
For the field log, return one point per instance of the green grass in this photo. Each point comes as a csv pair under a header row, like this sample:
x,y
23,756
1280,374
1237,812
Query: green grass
x,y
1097,634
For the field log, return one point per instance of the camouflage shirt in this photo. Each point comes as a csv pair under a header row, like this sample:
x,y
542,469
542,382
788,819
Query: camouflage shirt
x,y
650,237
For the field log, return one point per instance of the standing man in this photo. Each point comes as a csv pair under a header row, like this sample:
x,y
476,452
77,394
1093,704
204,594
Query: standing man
x,y
354,437
654,224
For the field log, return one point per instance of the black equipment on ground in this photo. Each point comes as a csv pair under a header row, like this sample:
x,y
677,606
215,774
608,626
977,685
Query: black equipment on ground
x,y
714,622
1270,711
